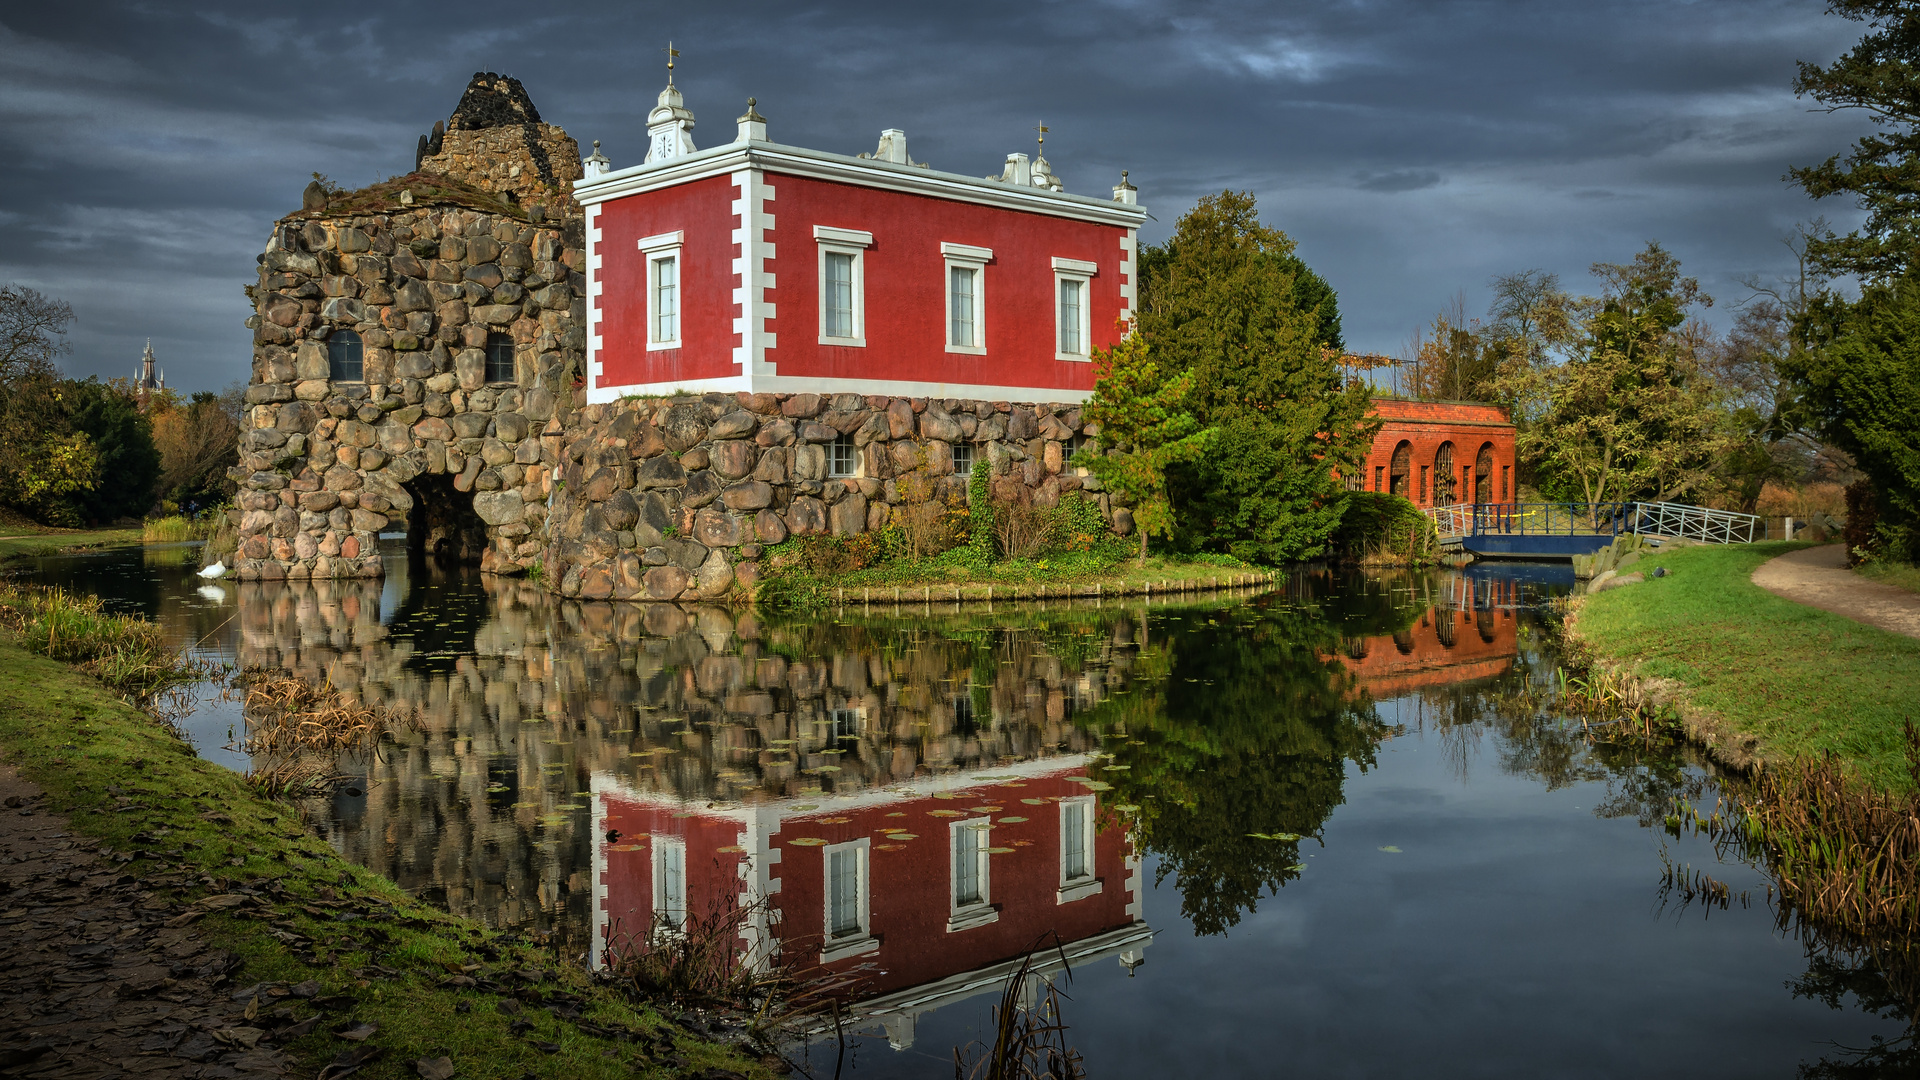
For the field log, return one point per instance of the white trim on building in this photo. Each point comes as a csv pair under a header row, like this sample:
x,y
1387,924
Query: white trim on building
x,y
971,261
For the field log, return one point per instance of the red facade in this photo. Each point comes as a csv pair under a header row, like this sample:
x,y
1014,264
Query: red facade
x,y
1472,634
747,225
912,936
1442,453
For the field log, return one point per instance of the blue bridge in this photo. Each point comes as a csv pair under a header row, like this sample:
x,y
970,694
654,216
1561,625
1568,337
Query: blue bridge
x,y
1560,530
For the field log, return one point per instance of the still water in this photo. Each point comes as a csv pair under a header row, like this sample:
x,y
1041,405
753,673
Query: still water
x,y
1315,831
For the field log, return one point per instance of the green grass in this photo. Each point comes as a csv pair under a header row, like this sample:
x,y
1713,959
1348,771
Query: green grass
x,y
68,733
1801,681
175,529
17,542
1898,575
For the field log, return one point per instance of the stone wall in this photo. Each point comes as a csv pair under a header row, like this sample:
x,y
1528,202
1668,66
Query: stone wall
x,y
676,499
326,466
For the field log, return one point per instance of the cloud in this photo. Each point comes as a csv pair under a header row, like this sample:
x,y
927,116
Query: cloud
x,y
146,149
1397,180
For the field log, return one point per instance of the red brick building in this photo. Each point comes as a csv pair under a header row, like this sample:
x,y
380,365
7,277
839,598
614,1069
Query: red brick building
x,y
1471,634
1441,453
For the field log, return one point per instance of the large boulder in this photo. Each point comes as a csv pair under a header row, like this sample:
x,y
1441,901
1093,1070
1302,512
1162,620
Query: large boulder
x,y
499,507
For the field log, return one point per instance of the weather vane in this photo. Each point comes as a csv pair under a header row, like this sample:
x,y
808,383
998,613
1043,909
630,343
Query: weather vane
x,y
1041,127
671,53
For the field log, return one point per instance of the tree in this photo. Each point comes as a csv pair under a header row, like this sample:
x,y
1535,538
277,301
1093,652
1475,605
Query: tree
x,y
197,439
1862,394
1145,426
1453,359
33,330
1882,77
1224,305
42,461
128,463
1631,414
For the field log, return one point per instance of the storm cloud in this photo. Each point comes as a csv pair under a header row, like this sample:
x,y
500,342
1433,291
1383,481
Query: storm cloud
x,y
1414,149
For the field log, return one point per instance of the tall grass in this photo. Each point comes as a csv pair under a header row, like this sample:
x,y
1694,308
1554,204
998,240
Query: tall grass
x,y
176,529
291,716
1029,1043
126,652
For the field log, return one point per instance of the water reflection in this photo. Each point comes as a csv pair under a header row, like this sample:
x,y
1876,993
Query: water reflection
x,y
915,795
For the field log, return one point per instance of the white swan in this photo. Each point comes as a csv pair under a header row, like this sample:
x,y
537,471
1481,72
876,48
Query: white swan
x,y
218,569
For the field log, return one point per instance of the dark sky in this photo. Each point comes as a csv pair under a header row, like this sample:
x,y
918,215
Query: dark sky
x,y
1413,148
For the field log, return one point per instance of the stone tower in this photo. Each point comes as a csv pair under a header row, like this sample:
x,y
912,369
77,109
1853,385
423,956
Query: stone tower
x,y
495,140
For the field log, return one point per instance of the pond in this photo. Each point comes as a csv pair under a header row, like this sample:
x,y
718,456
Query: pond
x,y
1320,828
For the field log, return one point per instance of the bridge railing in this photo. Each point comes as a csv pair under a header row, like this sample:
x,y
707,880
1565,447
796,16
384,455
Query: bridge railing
x,y
1595,519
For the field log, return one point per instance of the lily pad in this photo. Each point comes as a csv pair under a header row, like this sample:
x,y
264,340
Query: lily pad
x,y
834,820
1010,820
986,809
1127,808
731,849
891,847
807,841
999,851
803,807
1391,850
1034,802
1285,837
945,813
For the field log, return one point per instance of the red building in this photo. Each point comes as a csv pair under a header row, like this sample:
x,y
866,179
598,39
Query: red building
x,y
1469,633
1442,453
758,267
923,893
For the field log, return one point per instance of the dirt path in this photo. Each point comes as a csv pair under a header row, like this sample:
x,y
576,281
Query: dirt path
x,y
100,977
1818,577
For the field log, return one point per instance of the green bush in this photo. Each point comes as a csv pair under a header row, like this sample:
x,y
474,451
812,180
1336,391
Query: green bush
x,y
1379,522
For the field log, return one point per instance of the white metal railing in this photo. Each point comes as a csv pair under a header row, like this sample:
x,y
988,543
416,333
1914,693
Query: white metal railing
x,y
1696,523
1604,519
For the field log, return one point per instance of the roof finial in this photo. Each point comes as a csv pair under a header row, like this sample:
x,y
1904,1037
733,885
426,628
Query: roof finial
x,y
1041,127
671,53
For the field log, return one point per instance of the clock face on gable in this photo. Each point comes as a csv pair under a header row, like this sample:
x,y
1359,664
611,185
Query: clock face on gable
x,y
662,146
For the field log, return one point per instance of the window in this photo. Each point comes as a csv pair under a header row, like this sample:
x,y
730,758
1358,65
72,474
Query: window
x,y
1379,471
669,882
1072,286
343,356
663,289
843,319
1074,445
962,458
966,297
963,718
1505,473
843,458
843,724
972,902
1423,484
499,358
848,909
1076,849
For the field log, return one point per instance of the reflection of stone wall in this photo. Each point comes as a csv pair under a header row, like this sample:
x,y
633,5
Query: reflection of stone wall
x,y
488,802
673,499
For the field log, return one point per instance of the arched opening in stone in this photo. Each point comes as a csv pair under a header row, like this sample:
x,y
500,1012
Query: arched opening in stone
x,y
1483,475
1443,475
1402,467
442,525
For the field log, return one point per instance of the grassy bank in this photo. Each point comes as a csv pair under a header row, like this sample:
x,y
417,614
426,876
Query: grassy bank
x,y
434,984
16,542
1898,575
1759,677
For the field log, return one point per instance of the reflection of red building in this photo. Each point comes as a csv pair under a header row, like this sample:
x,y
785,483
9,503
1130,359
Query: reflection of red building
x,y
1439,453
931,890
1472,635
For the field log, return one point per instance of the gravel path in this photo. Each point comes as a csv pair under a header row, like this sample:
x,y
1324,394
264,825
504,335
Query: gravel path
x,y
98,975
1818,577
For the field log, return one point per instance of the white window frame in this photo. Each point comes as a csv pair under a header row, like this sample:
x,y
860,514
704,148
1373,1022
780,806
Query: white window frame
x,y
1079,886
661,846
977,912
859,459
655,249
1083,272
957,469
975,260
863,941
852,242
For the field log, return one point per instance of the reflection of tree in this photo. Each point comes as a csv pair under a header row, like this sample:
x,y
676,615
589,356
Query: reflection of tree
x,y
1883,982
1236,725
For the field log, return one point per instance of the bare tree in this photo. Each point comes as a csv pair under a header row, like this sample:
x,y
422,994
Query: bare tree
x,y
33,330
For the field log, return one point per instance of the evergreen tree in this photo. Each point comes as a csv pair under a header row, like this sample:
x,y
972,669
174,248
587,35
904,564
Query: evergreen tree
x,y
1145,426
122,436
1224,305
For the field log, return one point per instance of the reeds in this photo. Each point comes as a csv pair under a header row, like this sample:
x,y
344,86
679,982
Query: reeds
x,y
1845,855
1029,1043
127,653
291,716
176,529
700,961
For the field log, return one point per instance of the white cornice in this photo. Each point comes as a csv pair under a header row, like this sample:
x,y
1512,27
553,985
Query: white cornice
x,y
838,168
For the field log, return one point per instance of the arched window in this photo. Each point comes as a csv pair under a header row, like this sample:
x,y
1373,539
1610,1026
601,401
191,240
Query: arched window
x,y
1402,465
1483,475
1443,476
499,358
343,356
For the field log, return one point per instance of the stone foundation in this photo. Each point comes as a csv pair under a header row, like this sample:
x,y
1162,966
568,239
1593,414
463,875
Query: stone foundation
x,y
675,499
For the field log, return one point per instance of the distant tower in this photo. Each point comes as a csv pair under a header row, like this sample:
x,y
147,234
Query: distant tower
x,y
149,382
